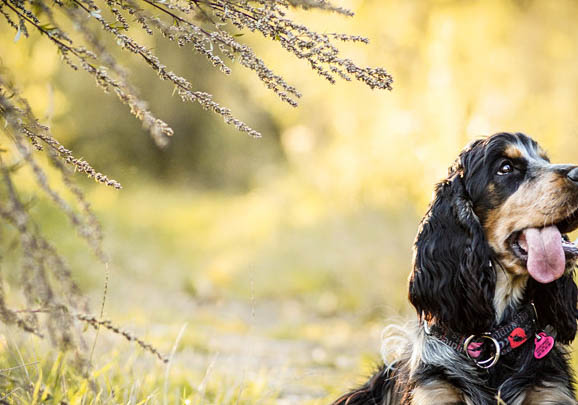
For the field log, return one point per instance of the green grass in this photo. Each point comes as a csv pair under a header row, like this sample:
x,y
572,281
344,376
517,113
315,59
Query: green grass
x,y
278,295
54,380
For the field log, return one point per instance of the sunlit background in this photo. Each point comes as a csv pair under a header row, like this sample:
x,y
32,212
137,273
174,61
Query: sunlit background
x,y
286,256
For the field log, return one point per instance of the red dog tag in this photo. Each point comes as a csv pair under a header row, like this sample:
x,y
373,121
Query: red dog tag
x,y
517,337
543,344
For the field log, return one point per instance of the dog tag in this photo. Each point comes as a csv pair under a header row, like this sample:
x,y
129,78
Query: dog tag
x,y
517,337
543,343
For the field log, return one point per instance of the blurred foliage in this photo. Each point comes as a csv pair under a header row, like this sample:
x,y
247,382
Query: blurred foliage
x,y
287,254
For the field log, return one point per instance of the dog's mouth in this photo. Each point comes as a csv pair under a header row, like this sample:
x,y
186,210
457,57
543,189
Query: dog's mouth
x,y
546,250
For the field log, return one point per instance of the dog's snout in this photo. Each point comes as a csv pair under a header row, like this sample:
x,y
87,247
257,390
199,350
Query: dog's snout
x,y
573,174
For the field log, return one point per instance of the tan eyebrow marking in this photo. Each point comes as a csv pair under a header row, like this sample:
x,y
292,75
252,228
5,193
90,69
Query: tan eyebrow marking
x,y
513,152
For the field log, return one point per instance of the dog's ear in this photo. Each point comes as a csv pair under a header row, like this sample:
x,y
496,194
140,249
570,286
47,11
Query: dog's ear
x,y
453,280
556,305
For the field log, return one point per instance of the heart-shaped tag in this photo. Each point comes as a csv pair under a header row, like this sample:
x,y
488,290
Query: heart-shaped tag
x,y
542,345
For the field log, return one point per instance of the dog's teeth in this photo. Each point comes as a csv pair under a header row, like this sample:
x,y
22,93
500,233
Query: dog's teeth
x,y
522,243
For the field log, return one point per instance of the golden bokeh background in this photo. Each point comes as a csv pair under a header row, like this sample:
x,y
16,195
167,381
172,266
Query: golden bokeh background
x,y
287,255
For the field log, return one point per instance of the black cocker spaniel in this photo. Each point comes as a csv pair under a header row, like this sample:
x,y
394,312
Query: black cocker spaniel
x,y
492,284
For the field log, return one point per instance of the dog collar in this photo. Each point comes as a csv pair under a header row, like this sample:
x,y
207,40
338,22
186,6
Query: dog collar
x,y
485,349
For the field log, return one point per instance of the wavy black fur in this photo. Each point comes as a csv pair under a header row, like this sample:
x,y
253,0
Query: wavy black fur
x,y
372,392
454,289
556,305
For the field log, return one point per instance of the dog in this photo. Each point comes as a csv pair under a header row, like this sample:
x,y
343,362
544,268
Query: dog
x,y
492,284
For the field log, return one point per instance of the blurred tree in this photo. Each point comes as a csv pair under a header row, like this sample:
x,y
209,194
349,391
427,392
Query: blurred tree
x,y
77,28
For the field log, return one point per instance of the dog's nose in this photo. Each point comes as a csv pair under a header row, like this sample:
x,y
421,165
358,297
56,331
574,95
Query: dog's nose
x,y
573,175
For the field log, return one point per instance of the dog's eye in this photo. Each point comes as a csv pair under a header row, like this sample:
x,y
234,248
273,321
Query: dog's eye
x,y
505,167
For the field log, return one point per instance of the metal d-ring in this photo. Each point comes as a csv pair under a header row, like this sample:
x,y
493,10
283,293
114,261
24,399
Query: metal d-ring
x,y
488,362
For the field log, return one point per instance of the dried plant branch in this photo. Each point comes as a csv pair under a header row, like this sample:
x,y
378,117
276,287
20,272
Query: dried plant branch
x,y
97,323
210,28
177,23
44,277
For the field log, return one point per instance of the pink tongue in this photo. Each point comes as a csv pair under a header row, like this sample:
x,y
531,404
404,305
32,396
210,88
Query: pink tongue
x,y
546,261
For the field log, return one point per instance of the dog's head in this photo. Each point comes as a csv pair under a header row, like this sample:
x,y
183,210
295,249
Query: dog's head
x,y
503,208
